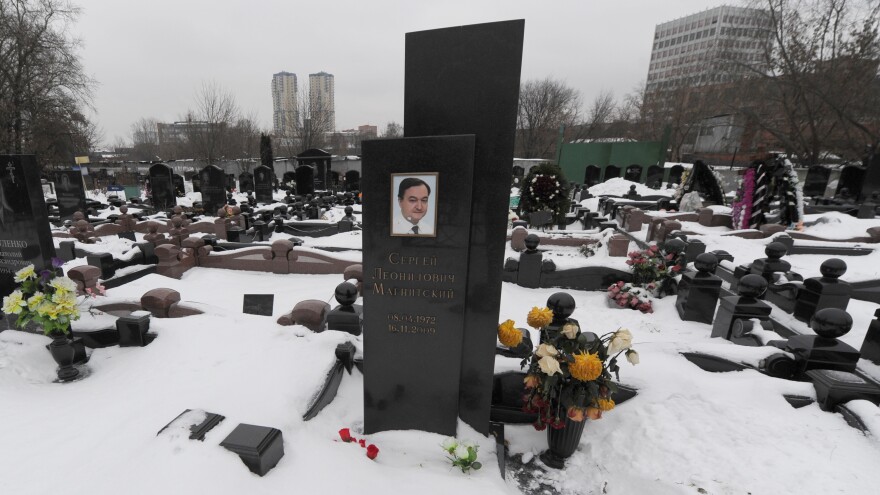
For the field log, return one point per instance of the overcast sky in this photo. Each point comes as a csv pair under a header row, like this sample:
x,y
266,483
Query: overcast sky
x,y
150,57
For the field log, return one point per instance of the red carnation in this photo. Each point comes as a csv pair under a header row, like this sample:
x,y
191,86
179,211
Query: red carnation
x,y
363,443
372,451
345,435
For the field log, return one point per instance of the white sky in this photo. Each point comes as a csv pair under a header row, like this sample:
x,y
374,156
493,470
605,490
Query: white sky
x,y
150,57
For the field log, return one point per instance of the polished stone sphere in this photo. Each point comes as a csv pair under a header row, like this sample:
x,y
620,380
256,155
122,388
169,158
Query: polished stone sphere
x,y
833,268
775,250
831,323
562,305
752,286
346,293
706,262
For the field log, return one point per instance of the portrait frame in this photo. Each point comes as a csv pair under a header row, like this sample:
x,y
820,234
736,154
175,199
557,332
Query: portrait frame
x,y
428,223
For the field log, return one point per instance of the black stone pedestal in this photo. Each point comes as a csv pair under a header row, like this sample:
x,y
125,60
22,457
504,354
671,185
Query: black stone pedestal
x,y
823,350
871,345
746,306
823,292
259,447
837,387
530,262
347,317
133,330
698,293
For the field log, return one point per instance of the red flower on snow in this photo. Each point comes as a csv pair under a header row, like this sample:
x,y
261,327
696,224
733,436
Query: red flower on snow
x,y
372,451
345,435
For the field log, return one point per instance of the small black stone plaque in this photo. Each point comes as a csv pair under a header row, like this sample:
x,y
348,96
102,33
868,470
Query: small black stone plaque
x,y
259,447
258,304
414,285
127,235
25,236
71,193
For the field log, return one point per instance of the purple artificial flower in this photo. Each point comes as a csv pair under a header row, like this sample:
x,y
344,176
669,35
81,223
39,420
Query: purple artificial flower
x,y
57,262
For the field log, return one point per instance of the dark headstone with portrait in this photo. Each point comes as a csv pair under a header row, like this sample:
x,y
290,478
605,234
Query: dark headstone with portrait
x,y
263,176
70,192
213,184
162,187
25,236
305,179
465,80
415,284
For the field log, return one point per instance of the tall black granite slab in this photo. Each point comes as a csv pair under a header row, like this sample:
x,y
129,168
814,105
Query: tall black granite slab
x,y
415,286
245,182
70,192
465,80
179,185
213,184
162,187
263,176
871,181
25,236
305,179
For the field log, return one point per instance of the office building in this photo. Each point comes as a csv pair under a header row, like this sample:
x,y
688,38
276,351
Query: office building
x,y
322,109
284,103
709,47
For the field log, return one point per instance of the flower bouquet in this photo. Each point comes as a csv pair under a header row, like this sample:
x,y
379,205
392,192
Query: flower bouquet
x,y
624,295
45,298
570,375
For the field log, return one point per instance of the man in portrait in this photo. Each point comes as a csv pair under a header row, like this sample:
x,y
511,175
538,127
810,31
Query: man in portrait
x,y
413,197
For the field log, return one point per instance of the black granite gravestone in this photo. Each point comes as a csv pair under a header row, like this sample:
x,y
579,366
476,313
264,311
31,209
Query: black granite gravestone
x,y
870,177
25,236
213,184
465,80
415,283
179,185
263,176
162,187
305,179
698,293
245,182
816,181
71,193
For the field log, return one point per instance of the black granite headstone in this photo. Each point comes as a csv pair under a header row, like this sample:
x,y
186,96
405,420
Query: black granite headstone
x,y
245,182
213,184
162,187
870,178
263,176
465,80
25,236
415,285
179,185
71,193
305,179
698,293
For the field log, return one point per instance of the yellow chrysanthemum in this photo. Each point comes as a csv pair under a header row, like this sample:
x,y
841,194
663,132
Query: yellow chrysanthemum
x,y
63,284
35,300
605,404
13,303
25,273
585,367
539,317
508,334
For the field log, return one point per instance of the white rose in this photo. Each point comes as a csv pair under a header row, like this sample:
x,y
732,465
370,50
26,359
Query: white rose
x,y
570,330
549,365
622,340
461,452
632,356
449,444
545,350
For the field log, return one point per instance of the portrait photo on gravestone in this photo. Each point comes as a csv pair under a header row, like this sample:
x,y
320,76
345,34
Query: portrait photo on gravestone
x,y
414,204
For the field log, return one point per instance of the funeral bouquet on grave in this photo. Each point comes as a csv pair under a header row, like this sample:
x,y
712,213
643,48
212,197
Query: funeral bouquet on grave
x,y
545,188
631,296
570,373
45,298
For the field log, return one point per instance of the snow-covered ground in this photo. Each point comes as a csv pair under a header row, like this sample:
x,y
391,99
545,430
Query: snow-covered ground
x,y
686,432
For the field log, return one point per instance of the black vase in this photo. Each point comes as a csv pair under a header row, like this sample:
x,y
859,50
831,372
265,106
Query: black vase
x,y
63,353
562,443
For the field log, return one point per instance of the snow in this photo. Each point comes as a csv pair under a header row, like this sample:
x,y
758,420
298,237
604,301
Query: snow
x,y
619,187
687,431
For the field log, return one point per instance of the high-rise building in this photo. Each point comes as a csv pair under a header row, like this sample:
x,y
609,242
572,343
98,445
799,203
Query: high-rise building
x,y
284,104
322,108
707,48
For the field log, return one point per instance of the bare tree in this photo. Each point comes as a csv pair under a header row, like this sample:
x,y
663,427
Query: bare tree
x,y
392,130
545,106
145,140
42,83
209,123
815,88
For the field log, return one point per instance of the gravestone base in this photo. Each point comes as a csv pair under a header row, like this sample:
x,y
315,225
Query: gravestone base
x,y
837,387
259,447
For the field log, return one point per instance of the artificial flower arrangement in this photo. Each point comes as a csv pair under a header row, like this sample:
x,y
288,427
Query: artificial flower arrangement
x,y
463,455
653,265
627,295
570,373
745,197
545,188
45,298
